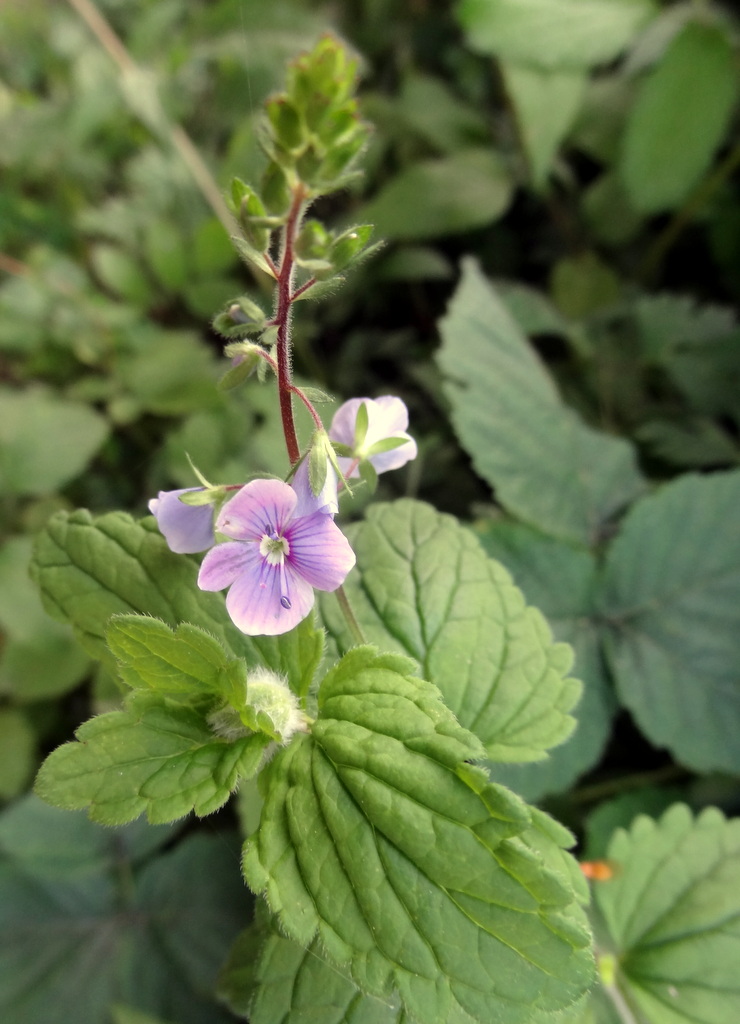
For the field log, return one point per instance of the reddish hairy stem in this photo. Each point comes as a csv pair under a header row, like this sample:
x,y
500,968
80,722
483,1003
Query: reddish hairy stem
x,y
282,318
314,415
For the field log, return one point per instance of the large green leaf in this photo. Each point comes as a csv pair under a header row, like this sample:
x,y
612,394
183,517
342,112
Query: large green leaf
x,y
562,581
680,118
673,913
546,465
671,600
424,587
90,917
155,757
89,569
45,440
442,197
554,34
274,980
379,835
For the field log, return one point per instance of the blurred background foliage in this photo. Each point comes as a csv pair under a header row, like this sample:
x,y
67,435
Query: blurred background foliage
x,y
585,155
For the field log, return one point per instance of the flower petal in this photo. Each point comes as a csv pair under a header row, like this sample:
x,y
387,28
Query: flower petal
x,y
261,506
387,416
226,562
343,423
255,605
186,528
319,551
396,457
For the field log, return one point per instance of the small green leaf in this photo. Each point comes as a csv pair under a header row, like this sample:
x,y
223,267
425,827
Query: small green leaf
x,y
547,466
671,599
673,913
156,757
45,440
546,104
253,257
424,586
554,34
680,118
185,662
442,197
121,274
414,870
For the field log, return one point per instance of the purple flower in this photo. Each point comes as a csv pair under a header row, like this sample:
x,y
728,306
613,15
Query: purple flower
x,y
387,419
275,559
186,528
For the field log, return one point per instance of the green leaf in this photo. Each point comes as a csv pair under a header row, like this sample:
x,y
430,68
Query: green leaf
x,y
554,34
680,118
274,980
84,913
546,104
546,465
671,600
121,274
442,197
45,440
17,752
89,569
183,662
156,757
415,872
673,914
424,587
562,582
39,658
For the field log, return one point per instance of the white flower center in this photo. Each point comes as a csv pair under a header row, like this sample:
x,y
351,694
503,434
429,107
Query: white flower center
x,y
274,548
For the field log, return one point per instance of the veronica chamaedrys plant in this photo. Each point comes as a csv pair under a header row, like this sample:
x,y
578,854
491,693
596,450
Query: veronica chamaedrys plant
x,y
391,864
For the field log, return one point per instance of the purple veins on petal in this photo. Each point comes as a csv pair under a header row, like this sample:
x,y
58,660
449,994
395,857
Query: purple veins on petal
x,y
186,528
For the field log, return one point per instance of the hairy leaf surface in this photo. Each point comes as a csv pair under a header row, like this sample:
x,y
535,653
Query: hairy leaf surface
x,y
424,587
415,871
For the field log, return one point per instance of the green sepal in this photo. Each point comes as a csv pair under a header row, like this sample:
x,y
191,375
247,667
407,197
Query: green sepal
x,y
386,444
185,663
254,257
372,838
155,757
276,189
243,316
240,372
250,210
317,461
349,245
362,421
286,123
368,475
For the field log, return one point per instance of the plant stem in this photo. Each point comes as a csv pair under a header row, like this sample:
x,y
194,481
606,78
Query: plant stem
x,y
177,136
349,615
282,319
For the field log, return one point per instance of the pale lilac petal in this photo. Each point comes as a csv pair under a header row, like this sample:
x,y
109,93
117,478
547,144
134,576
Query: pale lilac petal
x,y
254,602
387,416
343,424
260,507
319,551
308,502
186,528
226,562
